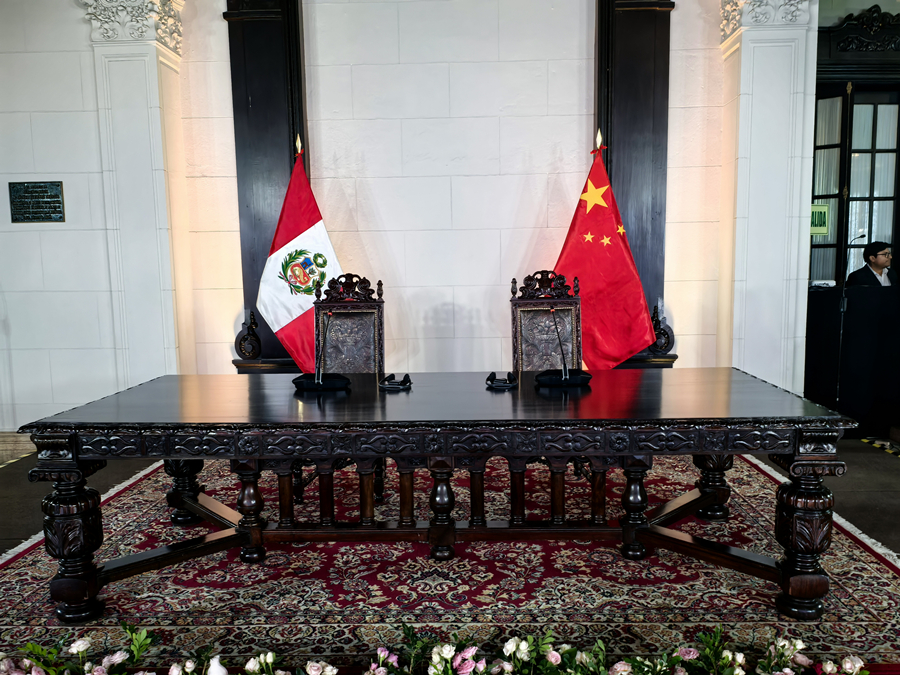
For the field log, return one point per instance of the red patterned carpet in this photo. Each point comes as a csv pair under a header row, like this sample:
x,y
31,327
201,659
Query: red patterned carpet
x,y
344,600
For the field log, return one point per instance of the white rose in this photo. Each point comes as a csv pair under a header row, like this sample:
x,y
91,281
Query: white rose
x,y
80,646
510,646
798,645
726,654
852,664
829,668
175,669
781,643
216,668
88,667
564,648
189,666
447,651
522,651
739,658
432,670
313,668
270,657
738,670
329,670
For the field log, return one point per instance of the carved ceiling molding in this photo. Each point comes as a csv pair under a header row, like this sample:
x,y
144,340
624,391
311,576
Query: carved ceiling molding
x,y
869,31
748,13
136,21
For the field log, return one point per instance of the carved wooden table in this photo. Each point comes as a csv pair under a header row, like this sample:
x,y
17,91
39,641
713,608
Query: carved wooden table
x,y
448,422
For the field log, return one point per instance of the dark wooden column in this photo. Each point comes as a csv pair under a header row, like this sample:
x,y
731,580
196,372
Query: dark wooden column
x,y
632,111
266,45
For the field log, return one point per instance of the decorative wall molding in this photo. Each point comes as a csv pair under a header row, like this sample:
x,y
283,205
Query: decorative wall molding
x,y
136,20
747,13
862,31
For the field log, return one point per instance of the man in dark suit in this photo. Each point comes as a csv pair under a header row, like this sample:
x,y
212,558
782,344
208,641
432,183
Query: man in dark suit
x,y
878,271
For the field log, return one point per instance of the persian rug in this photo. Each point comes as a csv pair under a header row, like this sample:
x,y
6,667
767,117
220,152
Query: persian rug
x,y
341,601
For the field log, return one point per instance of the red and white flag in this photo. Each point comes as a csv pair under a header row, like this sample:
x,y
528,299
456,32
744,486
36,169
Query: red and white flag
x,y
615,323
300,257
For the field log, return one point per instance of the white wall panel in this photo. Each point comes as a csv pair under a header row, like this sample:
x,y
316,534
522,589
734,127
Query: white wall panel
x,y
550,144
81,375
351,33
329,92
66,142
40,82
401,91
485,89
61,251
21,268
481,311
351,148
457,257
16,152
403,203
212,203
538,29
570,87
499,202
459,146
447,31
336,198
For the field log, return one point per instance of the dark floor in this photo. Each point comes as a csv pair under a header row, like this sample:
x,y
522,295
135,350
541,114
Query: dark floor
x,y
868,495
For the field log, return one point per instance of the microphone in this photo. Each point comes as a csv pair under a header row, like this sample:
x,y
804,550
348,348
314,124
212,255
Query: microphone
x,y
564,377
321,360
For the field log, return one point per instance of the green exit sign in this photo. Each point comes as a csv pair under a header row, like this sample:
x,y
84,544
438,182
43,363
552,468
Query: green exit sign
x,y
818,224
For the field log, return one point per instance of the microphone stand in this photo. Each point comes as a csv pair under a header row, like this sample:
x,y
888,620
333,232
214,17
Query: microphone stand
x,y
837,392
321,360
565,366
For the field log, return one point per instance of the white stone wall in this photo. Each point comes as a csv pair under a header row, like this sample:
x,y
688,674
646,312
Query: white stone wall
x,y
449,142
211,180
56,315
694,186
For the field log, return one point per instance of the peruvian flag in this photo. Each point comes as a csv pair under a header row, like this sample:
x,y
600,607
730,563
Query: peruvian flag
x,y
300,257
615,323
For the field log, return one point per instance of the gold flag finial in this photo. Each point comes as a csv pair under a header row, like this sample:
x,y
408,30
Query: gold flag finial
x,y
299,145
599,139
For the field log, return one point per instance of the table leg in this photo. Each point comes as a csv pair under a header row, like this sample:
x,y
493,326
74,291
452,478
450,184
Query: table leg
x,y
634,501
286,500
250,506
184,484
598,497
517,468
325,471
558,490
476,493
803,528
712,479
380,468
366,470
442,533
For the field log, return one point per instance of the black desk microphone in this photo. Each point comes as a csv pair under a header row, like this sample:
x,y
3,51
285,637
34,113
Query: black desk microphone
x,y
565,377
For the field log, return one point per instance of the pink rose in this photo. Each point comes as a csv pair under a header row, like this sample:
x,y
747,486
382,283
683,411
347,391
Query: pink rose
x,y
802,660
680,671
688,653
554,657
457,660
392,659
621,668
373,666
382,653
37,670
466,667
481,665
98,670
468,652
381,671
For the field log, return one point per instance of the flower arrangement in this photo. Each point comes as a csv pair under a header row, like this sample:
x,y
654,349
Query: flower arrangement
x,y
418,655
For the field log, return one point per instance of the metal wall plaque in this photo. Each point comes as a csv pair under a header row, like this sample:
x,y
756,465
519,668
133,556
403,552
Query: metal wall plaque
x,y
37,202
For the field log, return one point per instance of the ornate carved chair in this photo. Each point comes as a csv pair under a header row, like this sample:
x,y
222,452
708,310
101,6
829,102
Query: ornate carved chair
x,y
350,326
349,339
542,297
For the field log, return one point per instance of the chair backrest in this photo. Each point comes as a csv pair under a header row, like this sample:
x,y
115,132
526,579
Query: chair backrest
x,y
543,297
350,326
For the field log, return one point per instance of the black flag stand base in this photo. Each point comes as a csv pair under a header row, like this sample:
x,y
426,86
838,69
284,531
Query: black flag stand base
x,y
569,377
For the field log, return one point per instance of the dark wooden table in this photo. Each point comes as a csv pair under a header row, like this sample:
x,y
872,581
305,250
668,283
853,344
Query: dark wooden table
x,y
449,421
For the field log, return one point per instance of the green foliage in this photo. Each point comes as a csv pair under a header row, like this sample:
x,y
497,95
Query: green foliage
x,y
140,642
715,658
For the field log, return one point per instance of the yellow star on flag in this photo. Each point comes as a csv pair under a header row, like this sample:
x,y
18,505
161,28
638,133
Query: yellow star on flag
x,y
588,237
593,195
621,229
606,241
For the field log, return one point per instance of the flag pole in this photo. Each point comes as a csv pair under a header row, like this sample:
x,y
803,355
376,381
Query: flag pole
x,y
599,139
299,145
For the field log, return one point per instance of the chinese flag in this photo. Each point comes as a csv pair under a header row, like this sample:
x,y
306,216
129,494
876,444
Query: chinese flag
x,y
615,323
300,256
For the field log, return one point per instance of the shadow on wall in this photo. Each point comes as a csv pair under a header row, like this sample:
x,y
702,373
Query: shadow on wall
x,y
7,421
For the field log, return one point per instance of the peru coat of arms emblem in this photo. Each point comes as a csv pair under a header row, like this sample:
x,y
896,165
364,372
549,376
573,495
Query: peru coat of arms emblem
x,y
301,270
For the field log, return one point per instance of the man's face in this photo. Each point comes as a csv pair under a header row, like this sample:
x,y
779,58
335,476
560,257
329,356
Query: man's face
x,y
882,259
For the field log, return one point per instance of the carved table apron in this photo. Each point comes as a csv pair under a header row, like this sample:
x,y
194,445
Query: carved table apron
x,y
448,422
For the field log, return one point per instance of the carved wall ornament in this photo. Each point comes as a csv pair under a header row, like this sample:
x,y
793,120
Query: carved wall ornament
x,y
743,13
136,20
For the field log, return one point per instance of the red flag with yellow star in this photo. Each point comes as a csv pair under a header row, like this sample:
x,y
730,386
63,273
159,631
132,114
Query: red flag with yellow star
x,y
615,323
